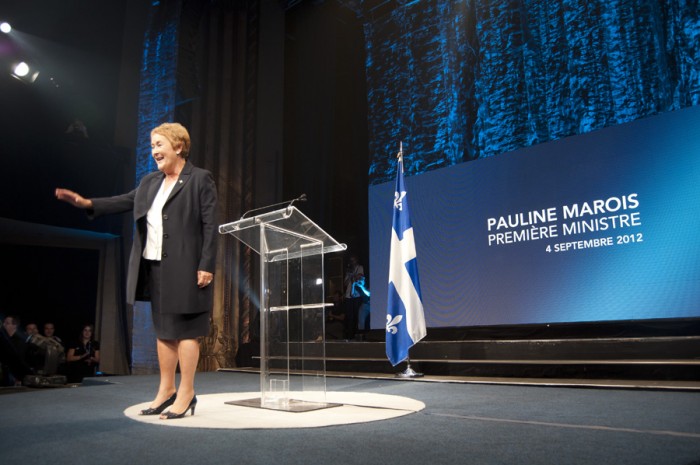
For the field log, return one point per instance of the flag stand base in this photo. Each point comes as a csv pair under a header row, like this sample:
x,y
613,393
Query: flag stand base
x,y
409,373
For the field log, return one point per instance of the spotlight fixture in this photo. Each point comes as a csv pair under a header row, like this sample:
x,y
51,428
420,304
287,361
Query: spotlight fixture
x,y
5,27
23,72
21,69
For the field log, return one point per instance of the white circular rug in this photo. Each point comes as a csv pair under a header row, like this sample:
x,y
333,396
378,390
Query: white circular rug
x,y
212,411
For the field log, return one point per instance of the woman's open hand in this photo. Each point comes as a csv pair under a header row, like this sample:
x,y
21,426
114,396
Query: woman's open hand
x,y
73,198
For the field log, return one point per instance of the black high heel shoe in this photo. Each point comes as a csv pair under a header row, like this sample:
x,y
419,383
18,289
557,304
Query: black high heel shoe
x,y
172,416
160,408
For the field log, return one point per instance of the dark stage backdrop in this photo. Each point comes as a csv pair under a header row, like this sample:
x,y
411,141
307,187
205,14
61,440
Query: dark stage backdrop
x,y
552,105
53,284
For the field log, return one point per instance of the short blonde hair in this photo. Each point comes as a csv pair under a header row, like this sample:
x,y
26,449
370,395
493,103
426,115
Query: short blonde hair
x,y
178,136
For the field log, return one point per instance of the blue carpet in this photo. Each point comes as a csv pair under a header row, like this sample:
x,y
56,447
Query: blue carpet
x,y
461,424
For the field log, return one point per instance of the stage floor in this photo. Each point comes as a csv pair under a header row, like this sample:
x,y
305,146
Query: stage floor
x,y
446,422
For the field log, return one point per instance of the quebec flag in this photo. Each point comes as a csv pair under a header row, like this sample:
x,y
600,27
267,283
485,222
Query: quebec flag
x,y
405,322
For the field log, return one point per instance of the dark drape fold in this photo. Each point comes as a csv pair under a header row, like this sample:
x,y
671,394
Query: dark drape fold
x,y
220,114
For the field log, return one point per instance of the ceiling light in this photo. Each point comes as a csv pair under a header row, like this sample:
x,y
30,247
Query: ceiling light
x,y
21,70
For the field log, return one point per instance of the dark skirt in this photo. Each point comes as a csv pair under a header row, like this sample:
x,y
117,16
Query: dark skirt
x,y
169,326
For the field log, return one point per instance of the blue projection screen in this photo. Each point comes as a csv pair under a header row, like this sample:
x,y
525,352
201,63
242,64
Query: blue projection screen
x,y
602,226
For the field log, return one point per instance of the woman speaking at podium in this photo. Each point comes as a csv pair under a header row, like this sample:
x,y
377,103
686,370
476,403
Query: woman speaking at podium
x,y
172,259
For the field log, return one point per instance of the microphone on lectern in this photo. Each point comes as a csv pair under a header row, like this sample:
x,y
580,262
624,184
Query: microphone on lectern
x,y
301,198
289,203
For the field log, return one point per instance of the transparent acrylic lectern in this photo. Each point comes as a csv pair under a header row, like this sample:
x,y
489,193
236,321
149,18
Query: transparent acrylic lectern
x,y
292,307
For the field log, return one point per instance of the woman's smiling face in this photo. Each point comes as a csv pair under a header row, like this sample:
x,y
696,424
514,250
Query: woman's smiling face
x,y
165,155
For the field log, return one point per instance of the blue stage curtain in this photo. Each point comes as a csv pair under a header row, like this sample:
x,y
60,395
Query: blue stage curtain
x,y
461,80
157,93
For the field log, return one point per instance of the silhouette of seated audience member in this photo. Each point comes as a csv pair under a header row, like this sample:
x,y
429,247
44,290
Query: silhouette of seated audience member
x,y
83,356
33,354
30,329
45,355
50,332
13,347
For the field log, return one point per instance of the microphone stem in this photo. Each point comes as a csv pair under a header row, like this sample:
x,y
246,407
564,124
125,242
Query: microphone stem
x,y
289,203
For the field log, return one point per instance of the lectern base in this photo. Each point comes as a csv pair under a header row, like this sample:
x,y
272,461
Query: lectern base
x,y
291,405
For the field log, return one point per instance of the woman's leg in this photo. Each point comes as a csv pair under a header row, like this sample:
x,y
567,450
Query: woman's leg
x,y
167,361
188,354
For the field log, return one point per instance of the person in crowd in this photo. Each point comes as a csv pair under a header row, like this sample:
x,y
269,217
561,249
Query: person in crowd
x,y
50,332
13,352
353,296
45,353
34,355
83,356
363,323
31,329
172,259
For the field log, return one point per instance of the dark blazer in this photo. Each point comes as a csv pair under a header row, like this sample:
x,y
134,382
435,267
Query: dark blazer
x,y
189,236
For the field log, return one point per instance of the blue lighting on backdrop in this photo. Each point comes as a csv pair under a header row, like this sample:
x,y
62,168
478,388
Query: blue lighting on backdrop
x,y
462,80
158,82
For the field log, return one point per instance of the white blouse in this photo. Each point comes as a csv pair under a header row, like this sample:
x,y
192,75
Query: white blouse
x,y
154,224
